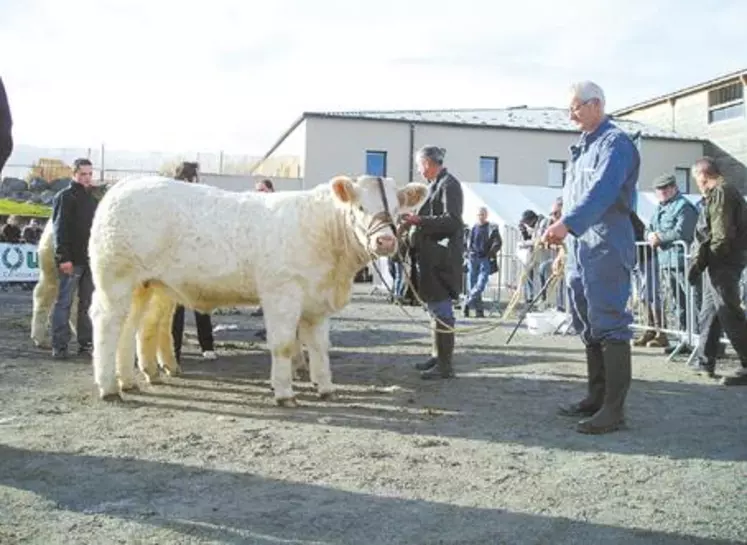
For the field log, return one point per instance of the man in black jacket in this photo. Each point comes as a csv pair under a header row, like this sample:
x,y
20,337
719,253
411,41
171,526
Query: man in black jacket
x,y
483,244
73,209
6,126
439,241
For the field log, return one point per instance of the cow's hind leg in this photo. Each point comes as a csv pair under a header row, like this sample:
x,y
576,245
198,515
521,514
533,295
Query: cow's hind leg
x,y
126,346
165,344
149,337
45,293
282,312
315,335
110,306
299,363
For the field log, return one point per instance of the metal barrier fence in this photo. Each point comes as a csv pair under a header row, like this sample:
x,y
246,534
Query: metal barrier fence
x,y
662,302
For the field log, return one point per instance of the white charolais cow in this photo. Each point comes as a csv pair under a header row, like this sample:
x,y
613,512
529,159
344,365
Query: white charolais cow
x,y
155,343
296,253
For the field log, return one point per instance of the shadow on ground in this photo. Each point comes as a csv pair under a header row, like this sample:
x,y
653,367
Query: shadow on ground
x,y
494,403
235,507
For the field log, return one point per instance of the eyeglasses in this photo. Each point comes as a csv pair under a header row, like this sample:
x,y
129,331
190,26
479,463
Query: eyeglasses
x,y
577,108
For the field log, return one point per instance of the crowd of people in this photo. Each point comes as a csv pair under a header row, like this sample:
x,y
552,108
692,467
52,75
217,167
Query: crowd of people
x,y
592,229
595,227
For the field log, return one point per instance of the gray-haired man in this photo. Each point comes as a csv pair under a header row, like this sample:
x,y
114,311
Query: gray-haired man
x,y
438,237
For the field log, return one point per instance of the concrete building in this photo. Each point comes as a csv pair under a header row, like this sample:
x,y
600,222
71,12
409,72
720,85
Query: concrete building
x,y
517,146
713,110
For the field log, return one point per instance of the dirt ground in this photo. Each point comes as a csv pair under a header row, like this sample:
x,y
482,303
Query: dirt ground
x,y
483,459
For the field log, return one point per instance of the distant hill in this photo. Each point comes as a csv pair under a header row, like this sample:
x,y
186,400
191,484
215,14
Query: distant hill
x,y
137,161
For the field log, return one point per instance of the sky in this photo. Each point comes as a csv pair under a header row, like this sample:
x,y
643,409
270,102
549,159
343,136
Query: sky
x,y
232,75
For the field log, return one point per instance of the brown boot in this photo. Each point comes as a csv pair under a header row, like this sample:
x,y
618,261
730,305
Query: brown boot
x,y
595,376
649,334
660,340
644,339
617,367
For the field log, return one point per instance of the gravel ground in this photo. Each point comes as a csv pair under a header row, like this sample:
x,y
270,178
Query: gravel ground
x,y
207,457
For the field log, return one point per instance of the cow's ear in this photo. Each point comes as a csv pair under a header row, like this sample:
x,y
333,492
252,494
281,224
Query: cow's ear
x,y
412,195
344,189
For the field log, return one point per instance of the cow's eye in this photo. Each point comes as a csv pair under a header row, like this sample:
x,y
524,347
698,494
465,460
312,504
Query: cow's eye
x,y
360,208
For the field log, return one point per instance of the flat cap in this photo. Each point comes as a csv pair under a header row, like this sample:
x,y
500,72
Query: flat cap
x,y
664,180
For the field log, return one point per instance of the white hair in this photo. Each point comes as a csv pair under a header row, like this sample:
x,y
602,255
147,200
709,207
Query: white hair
x,y
482,209
586,91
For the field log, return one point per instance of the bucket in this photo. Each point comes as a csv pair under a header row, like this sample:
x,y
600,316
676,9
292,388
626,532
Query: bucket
x,y
544,323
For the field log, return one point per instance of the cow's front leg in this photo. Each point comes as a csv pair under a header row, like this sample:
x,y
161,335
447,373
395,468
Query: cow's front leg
x,y
281,320
315,335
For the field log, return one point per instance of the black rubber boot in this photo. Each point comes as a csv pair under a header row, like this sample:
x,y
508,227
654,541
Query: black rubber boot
x,y
433,360
617,367
445,349
595,377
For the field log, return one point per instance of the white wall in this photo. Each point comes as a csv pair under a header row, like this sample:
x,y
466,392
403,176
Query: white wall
x,y
246,183
338,146
335,147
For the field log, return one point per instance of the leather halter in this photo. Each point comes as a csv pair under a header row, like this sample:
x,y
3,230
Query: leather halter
x,y
386,216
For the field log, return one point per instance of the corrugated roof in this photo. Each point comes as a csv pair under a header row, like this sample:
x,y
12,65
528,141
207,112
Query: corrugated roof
x,y
522,117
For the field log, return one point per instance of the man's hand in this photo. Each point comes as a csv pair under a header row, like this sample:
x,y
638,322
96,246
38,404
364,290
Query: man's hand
x,y
66,267
556,233
693,275
410,219
654,240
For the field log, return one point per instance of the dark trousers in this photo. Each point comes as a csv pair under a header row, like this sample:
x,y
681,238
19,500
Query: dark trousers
x,y
721,312
204,331
6,148
78,284
677,287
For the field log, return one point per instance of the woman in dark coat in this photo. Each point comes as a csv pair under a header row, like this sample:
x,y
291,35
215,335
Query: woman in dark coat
x,y
437,236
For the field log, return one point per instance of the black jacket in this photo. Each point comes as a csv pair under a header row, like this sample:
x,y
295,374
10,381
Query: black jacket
x,y
439,241
72,214
493,242
6,121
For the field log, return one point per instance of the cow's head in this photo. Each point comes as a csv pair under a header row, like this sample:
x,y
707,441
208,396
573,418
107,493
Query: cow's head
x,y
374,204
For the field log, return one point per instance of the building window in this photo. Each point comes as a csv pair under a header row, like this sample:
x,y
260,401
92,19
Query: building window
x,y
683,179
726,102
376,163
488,170
556,173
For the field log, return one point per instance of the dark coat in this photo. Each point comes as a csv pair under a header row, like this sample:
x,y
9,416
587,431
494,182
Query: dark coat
x,y
439,240
6,121
73,209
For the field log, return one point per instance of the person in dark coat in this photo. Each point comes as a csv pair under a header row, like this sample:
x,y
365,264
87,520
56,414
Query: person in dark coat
x,y
6,127
437,234
187,171
721,235
73,209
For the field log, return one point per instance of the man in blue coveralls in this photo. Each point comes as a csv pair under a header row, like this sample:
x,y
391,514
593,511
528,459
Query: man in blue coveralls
x,y
597,207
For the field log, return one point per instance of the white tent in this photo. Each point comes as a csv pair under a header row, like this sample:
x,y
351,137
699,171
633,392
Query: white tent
x,y
505,203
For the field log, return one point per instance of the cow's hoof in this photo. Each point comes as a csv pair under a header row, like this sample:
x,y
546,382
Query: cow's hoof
x,y
132,387
154,379
112,398
288,402
173,372
41,343
327,396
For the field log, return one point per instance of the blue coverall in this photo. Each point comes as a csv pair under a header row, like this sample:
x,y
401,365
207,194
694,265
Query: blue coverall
x,y
598,199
